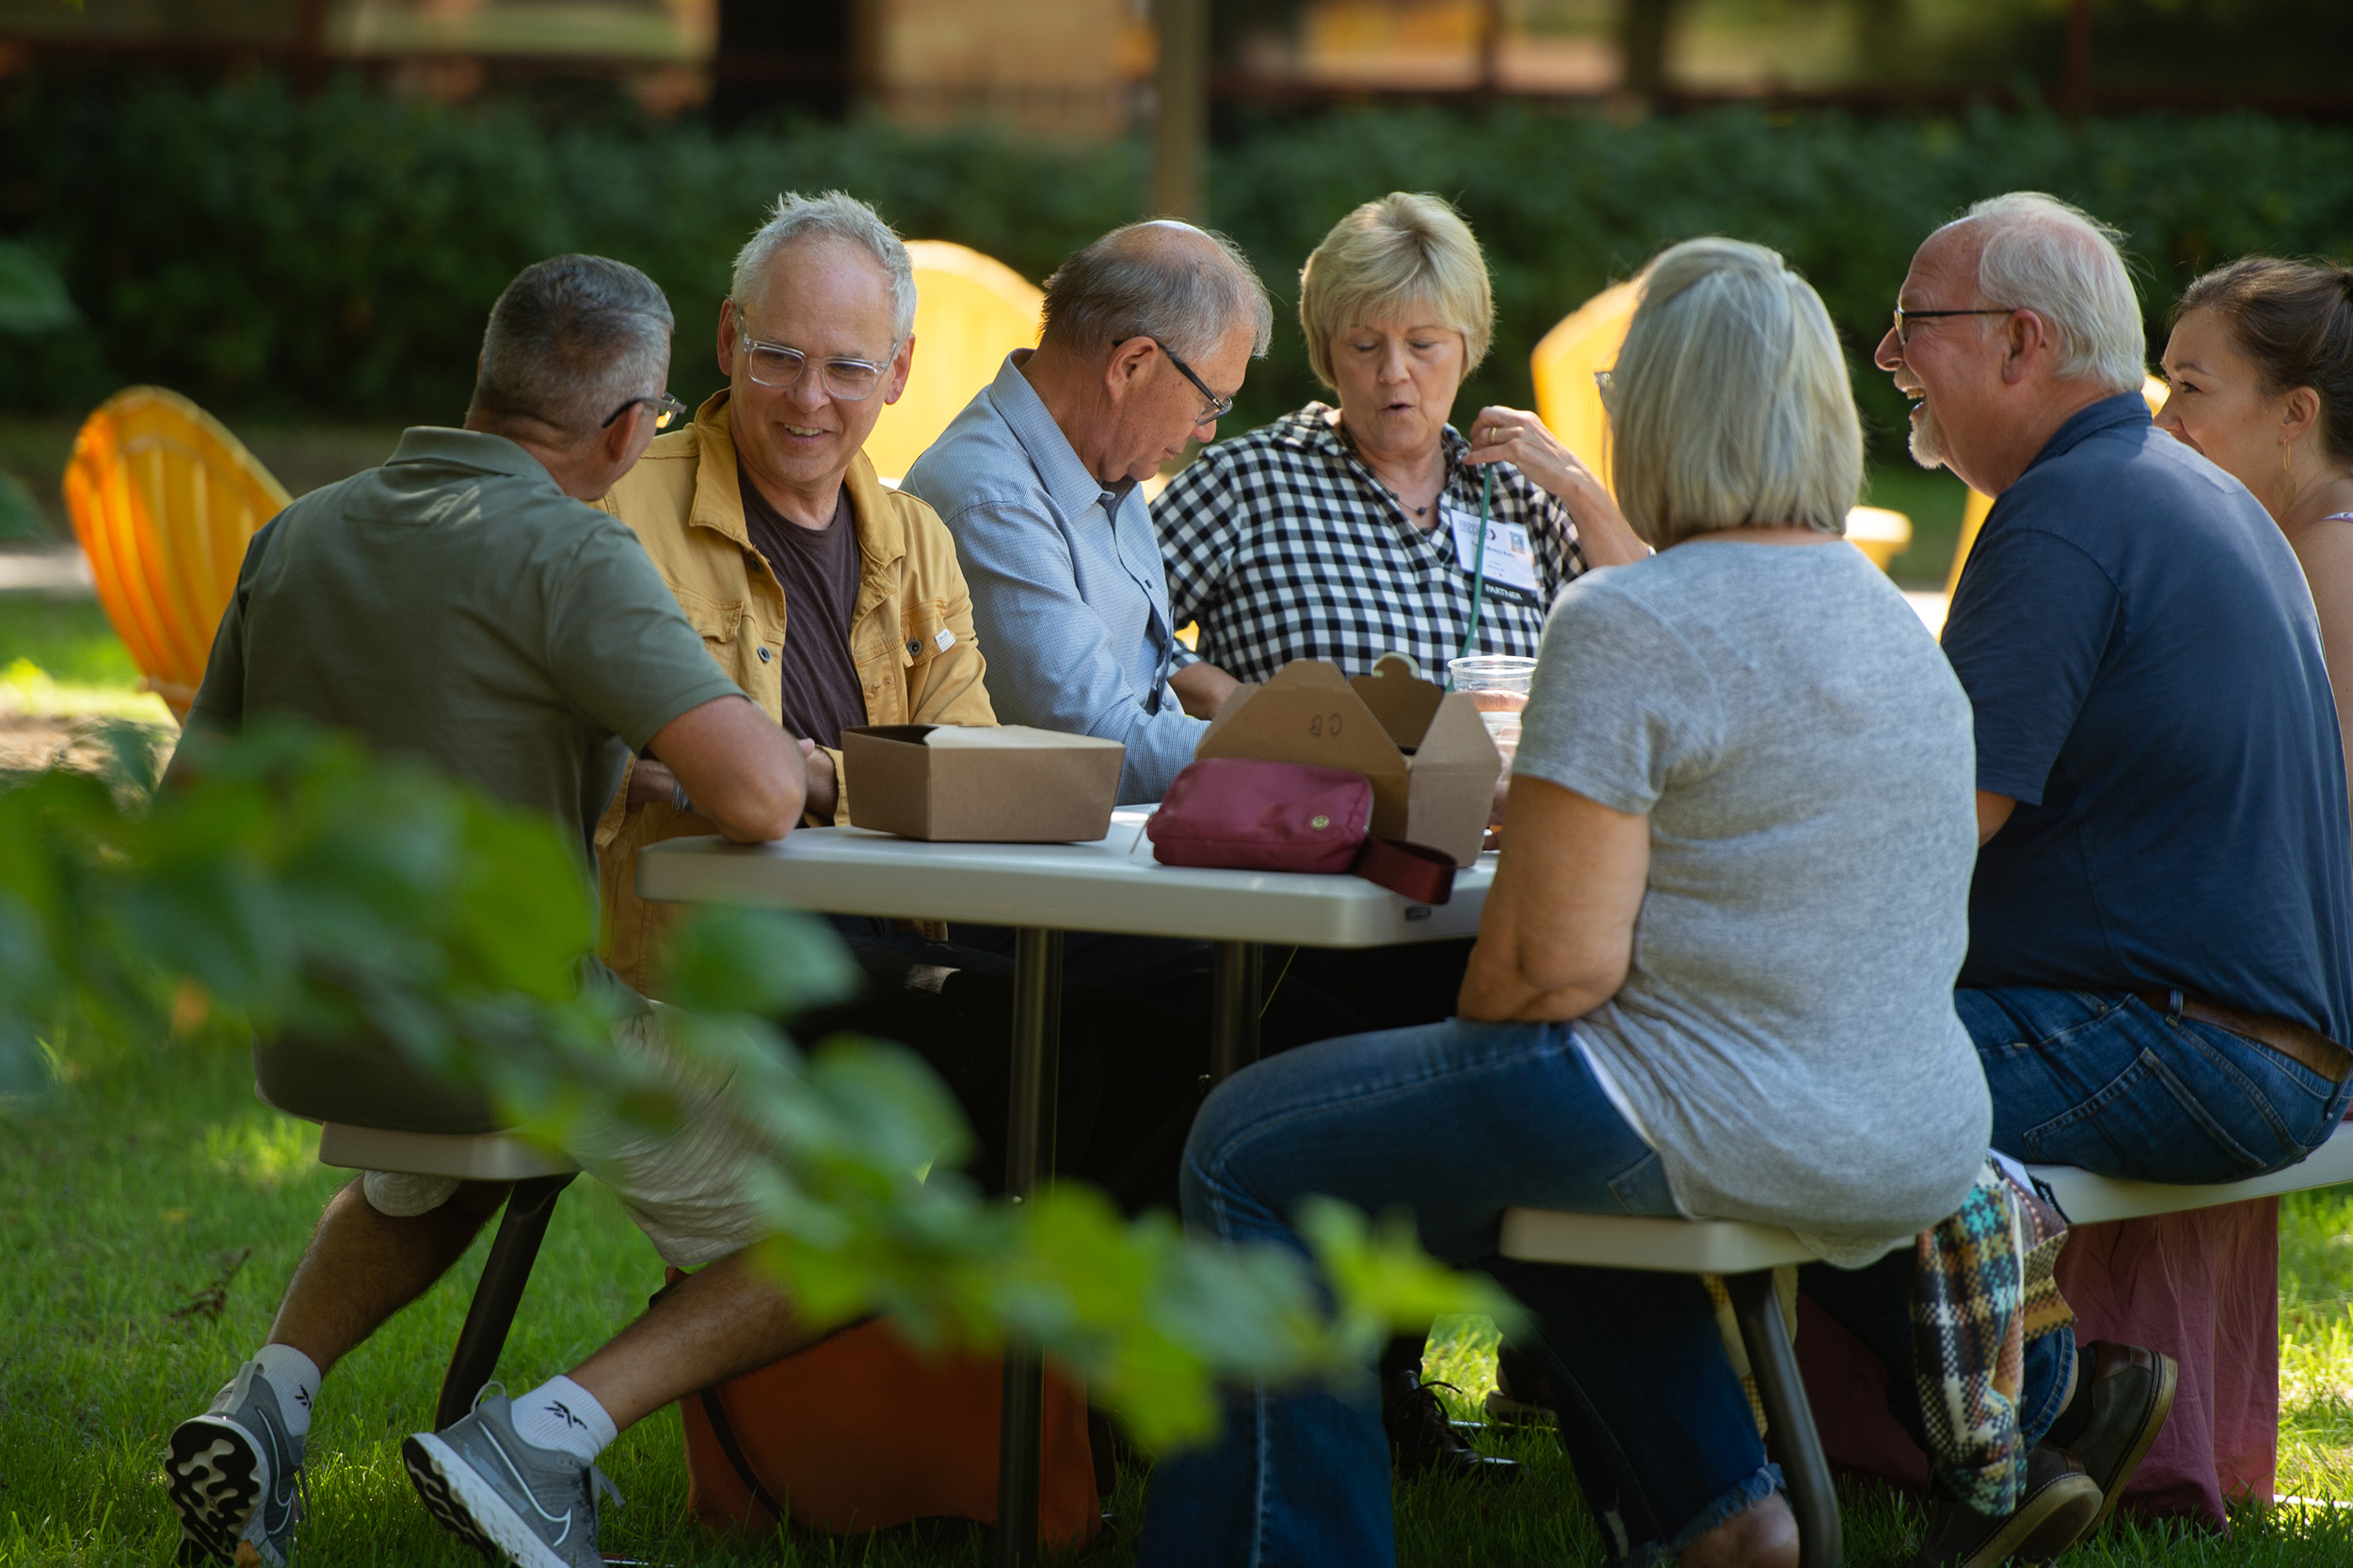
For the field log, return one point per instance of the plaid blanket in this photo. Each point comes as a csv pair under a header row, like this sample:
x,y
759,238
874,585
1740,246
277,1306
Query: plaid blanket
x,y
1984,1286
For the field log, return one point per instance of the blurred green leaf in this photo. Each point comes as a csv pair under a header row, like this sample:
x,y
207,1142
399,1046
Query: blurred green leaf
x,y
32,295
769,962
304,884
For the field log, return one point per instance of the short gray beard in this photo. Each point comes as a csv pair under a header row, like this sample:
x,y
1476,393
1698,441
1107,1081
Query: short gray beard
x,y
1928,440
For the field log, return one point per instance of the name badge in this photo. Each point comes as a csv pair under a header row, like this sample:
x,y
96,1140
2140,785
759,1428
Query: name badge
x,y
1510,553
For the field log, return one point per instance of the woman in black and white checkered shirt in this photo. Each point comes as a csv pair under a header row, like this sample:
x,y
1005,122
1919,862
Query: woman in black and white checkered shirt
x,y
1344,534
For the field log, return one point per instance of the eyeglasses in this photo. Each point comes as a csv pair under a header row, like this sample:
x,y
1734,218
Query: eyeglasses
x,y
1219,407
1904,318
1605,383
775,364
667,411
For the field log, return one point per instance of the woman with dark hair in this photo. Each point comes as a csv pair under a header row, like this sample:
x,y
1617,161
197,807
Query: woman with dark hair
x,y
2260,371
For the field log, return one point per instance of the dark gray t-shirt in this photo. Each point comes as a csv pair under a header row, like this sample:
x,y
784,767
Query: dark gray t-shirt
x,y
1785,1037
818,570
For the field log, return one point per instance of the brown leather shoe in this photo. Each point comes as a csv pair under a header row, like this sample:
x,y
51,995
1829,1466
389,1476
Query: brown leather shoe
x,y
2132,1393
2060,1503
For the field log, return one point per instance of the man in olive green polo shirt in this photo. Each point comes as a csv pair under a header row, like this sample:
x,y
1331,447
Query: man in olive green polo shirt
x,y
465,606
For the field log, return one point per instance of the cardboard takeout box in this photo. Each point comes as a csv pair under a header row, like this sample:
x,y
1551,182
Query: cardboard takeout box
x,y
981,783
1431,760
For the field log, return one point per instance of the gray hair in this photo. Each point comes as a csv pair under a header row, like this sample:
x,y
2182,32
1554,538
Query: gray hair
x,y
1144,281
836,215
1732,407
571,339
2060,262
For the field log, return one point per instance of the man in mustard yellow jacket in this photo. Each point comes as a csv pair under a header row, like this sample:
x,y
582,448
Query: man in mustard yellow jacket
x,y
829,597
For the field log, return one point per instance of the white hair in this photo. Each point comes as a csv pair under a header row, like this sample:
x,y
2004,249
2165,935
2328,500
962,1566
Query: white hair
x,y
1731,407
836,215
2060,262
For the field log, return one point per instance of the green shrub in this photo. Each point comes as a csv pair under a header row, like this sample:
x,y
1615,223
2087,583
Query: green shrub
x,y
272,254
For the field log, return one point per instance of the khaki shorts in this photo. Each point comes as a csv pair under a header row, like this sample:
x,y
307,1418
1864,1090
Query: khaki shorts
x,y
689,1189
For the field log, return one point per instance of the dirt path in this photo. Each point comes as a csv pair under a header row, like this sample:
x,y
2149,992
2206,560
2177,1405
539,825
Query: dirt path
x,y
31,741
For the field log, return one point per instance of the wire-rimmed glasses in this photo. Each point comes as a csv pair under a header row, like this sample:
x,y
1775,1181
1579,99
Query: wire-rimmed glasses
x,y
668,411
1904,318
1219,407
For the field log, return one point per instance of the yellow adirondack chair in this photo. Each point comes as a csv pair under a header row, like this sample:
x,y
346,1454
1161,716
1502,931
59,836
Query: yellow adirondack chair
x,y
1973,515
163,499
1564,363
970,311
1568,401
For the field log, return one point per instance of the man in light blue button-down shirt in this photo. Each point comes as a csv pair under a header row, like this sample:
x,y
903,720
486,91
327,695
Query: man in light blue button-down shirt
x,y
1147,334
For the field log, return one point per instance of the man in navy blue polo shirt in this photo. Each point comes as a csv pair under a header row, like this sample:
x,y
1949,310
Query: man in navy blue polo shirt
x,y
2160,961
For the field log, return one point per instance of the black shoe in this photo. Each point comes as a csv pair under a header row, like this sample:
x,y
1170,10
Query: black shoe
x,y
1422,1439
2057,1511
2132,1393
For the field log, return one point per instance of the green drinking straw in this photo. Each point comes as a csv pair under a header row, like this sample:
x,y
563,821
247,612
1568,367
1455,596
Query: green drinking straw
x,y
1479,563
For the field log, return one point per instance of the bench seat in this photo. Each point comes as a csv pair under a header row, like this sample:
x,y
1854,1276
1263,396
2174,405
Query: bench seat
x,y
1735,1246
1746,1254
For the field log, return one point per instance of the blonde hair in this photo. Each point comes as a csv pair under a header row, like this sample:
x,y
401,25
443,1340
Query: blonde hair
x,y
1731,406
1402,249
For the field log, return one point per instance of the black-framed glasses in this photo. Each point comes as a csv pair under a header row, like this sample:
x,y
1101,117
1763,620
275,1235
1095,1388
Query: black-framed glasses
x,y
777,364
1219,407
1904,318
667,411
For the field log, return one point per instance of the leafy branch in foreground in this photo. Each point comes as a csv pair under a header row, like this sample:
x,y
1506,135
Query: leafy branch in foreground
x,y
297,881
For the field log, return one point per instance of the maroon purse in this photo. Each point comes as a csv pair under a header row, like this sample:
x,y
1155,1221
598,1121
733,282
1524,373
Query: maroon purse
x,y
1240,814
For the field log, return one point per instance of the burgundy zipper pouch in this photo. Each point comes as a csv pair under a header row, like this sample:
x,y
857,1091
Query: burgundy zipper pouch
x,y
1236,813
1240,814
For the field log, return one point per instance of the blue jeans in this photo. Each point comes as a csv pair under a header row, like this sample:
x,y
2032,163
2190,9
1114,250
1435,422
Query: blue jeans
x,y
1456,1122
2107,1083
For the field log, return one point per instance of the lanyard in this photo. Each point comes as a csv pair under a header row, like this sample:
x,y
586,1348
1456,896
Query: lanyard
x,y
1478,561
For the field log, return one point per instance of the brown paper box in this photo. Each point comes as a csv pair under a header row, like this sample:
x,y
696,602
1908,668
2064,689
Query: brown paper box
x,y
1432,762
981,783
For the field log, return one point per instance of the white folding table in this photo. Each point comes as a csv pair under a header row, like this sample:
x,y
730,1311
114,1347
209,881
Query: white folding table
x,y
1042,891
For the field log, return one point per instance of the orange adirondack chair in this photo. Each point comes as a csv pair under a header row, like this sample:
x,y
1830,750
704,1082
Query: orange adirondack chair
x,y
1588,340
970,311
163,499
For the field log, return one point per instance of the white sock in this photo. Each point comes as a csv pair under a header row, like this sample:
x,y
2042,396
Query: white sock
x,y
296,1377
561,1415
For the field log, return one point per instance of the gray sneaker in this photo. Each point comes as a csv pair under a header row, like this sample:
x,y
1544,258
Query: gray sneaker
x,y
502,1496
235,1474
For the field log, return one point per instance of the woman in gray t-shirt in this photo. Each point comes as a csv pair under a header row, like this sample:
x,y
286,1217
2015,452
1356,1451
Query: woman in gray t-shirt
x,y
1714,976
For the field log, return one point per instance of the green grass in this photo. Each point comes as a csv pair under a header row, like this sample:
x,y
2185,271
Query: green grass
x,y
131,1193
68,639
59,656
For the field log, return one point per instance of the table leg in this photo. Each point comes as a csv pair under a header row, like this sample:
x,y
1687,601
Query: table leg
x,y
1029,1160
1235,972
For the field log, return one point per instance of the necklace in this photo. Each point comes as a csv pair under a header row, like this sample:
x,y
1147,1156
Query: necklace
x,y
1418,511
